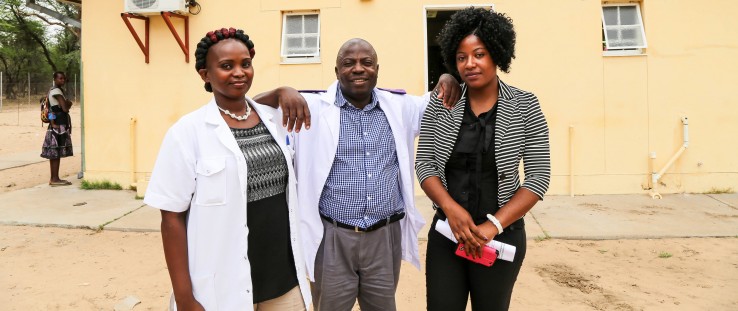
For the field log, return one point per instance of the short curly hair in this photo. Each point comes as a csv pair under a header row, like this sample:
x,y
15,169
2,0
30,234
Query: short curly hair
x,y
494,29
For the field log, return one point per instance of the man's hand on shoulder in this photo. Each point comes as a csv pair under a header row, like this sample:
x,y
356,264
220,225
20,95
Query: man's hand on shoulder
x,y
295,111
449,90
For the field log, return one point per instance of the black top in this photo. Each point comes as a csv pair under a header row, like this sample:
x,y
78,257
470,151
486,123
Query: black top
x,y
471,171
62,118
267,216
270,253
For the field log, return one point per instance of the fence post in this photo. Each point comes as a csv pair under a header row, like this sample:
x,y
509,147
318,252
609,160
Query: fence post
x,y
29,90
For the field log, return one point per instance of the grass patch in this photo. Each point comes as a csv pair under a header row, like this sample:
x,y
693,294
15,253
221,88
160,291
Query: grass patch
x,y
665,255
542,238
134,188
602,251
715,190
99,185
139,197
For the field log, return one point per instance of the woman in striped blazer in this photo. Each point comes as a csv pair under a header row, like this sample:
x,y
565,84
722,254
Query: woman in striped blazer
x,y
468,164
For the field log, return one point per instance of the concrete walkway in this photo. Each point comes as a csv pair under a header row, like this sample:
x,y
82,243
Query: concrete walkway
x,y
562,217
21,159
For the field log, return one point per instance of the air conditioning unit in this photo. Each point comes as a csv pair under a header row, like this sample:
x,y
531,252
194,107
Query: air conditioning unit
x,y
155,7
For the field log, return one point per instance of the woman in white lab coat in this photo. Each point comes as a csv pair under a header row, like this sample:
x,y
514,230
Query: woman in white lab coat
x,y
225,185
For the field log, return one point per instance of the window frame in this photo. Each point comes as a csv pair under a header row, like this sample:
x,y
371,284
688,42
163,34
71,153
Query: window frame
x,y
299,58
623,50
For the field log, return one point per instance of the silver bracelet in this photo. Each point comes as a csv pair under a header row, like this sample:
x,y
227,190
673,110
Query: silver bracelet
x,y
495,222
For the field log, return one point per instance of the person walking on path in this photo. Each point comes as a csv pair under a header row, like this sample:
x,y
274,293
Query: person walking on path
x,y
58,140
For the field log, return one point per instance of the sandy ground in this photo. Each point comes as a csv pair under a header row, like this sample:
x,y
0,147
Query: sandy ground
x,y
71,269
22,132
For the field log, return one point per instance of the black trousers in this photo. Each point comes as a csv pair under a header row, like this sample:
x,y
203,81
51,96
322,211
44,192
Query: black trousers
x,y
450,279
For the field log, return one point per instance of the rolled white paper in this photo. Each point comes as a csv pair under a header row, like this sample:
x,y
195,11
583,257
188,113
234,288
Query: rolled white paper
x,y
506,251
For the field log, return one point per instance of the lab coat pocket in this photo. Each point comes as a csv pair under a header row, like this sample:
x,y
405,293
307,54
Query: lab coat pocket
x,y
203,287
211,181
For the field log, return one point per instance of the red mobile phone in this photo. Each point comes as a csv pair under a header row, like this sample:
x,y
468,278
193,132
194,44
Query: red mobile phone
x,y
488,255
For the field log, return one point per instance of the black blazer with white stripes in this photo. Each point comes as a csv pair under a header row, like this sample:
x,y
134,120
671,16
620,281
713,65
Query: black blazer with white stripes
x,y
521,132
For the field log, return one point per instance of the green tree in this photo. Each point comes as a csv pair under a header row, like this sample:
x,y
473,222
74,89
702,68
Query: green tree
x,y
34,43
18,50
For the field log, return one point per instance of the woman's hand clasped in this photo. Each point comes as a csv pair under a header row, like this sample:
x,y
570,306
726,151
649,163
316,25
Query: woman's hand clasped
x,y
465,231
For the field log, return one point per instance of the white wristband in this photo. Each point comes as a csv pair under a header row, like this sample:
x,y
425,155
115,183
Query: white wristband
x,y
495,222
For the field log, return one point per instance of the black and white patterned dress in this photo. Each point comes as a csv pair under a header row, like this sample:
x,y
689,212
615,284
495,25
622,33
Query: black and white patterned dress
x,y
270,253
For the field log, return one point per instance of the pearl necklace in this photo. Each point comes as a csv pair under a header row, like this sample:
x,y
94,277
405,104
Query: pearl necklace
x,y
234,116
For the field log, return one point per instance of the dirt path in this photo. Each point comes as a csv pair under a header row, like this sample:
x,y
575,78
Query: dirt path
x,y
69,269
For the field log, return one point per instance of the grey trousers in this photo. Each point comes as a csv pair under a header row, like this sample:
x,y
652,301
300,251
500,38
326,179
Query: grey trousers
x,y
356,265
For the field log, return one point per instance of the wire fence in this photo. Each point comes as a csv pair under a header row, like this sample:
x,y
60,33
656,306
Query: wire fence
x,y
25,92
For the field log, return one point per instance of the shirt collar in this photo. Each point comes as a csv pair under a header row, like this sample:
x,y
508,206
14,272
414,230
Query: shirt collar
x,y
342,101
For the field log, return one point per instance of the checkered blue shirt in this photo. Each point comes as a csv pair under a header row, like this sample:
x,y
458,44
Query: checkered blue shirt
x,y
363,186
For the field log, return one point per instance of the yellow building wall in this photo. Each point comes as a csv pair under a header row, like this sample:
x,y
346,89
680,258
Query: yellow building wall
x,y
606,114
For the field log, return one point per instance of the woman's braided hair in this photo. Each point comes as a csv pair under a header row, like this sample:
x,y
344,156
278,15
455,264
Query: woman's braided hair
x,y
213,37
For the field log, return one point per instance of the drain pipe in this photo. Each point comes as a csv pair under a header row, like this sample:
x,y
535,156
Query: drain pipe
x,y
656,176
132,126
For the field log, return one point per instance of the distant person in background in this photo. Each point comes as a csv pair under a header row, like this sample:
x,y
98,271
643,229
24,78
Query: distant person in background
x,y
468,164
58,141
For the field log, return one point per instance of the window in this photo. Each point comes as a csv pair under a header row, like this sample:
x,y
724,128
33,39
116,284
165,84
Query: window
x,y
622,28
300,38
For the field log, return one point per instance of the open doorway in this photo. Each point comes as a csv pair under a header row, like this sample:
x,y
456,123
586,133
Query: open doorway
x,y
435,18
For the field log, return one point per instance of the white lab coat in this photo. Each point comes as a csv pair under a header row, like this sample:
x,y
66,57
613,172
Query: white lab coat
x,y
201,168
316,149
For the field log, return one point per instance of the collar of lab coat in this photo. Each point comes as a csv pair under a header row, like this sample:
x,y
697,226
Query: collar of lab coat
x,y
329,96
331,113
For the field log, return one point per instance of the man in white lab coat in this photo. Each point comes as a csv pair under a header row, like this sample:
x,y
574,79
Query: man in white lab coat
x,y
355,182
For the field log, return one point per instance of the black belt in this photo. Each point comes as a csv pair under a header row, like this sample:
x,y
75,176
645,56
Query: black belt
x,y
517,225
375,226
